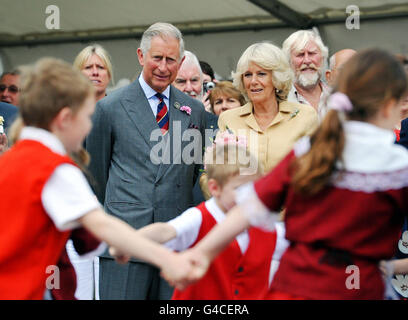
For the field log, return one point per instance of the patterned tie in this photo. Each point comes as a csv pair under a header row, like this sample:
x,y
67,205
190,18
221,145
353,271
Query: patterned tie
x,y
162,116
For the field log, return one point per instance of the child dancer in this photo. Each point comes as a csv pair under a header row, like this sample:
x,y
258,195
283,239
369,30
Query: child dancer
x,y
82,240
241,271
44,194
344,190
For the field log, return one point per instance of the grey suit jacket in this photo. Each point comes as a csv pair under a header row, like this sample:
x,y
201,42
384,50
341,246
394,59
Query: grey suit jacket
x,y
129,184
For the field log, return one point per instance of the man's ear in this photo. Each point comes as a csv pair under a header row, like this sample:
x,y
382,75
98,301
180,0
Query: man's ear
x,y
214,187
140,56
328,76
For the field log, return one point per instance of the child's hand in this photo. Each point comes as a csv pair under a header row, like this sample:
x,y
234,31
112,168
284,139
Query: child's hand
x,y
200,263
176,271
186,268
119,256
387,268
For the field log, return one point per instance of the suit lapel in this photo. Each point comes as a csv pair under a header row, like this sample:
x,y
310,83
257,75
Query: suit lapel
x,y
138,109
177,116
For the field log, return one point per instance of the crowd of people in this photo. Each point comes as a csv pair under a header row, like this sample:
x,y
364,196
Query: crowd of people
x,y
182,185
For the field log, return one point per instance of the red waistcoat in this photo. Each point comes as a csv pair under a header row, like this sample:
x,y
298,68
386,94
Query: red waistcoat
x,y
233,275
30,244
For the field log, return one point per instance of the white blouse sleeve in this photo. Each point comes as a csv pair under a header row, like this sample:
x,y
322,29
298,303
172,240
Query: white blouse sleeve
x,y
67,196
187,227
253,209
280,247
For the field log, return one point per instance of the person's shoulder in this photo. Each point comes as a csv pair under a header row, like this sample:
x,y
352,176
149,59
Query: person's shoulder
x,y
398,153
8,108
303,108
185,99
404,134
236,112
404,124
116,95
300,112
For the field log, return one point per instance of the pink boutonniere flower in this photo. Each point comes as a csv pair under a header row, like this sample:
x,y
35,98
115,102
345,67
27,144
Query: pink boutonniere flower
x,y
186,109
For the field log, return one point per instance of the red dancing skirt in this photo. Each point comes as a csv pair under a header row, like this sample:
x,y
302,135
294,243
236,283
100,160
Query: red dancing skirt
x,y
279,295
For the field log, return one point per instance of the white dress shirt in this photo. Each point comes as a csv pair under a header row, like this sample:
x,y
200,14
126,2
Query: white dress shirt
x,y
151,95
188,225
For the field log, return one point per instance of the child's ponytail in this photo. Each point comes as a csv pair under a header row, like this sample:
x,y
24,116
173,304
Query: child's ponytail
x,y
313,170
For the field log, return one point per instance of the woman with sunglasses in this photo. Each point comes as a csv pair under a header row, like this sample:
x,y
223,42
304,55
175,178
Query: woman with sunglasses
x,y
9,87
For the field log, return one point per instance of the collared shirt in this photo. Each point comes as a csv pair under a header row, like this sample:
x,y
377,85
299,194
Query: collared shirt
x,y
66,195
188,225
293,121
151,95
295,96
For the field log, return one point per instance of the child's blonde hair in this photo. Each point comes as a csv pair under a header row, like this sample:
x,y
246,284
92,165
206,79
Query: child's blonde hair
x,y
223,161
47,87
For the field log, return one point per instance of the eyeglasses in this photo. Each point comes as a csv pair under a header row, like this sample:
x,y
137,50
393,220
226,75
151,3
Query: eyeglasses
x,y
12,88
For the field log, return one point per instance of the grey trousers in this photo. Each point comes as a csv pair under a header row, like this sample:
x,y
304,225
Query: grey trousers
x,y
132,281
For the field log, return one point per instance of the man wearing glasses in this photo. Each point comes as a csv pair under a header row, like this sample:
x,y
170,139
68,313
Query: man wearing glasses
x,y
9,87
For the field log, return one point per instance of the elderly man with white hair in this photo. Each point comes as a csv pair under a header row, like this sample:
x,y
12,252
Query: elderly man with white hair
x,y
307,55
190,79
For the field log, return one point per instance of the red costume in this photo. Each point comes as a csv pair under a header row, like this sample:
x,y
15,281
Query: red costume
x,y
29,240
84,242
233,275
339,235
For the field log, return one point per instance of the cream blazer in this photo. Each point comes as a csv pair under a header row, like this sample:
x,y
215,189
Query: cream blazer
x,y
293,121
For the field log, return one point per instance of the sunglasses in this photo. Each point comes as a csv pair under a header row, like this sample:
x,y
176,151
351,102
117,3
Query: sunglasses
x,y
12,88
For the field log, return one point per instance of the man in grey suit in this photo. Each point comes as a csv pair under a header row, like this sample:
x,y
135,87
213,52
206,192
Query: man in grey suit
x,y
145,167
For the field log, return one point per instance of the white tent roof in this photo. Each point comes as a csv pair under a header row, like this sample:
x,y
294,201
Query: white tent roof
x,y
23,21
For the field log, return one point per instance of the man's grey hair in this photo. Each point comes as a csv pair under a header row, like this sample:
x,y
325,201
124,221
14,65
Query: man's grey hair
x,y
191,59
15,72
298,40
163,30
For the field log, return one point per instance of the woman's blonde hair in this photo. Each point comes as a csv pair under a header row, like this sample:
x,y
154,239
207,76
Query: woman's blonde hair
x,y
88,51
269,57
49,86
